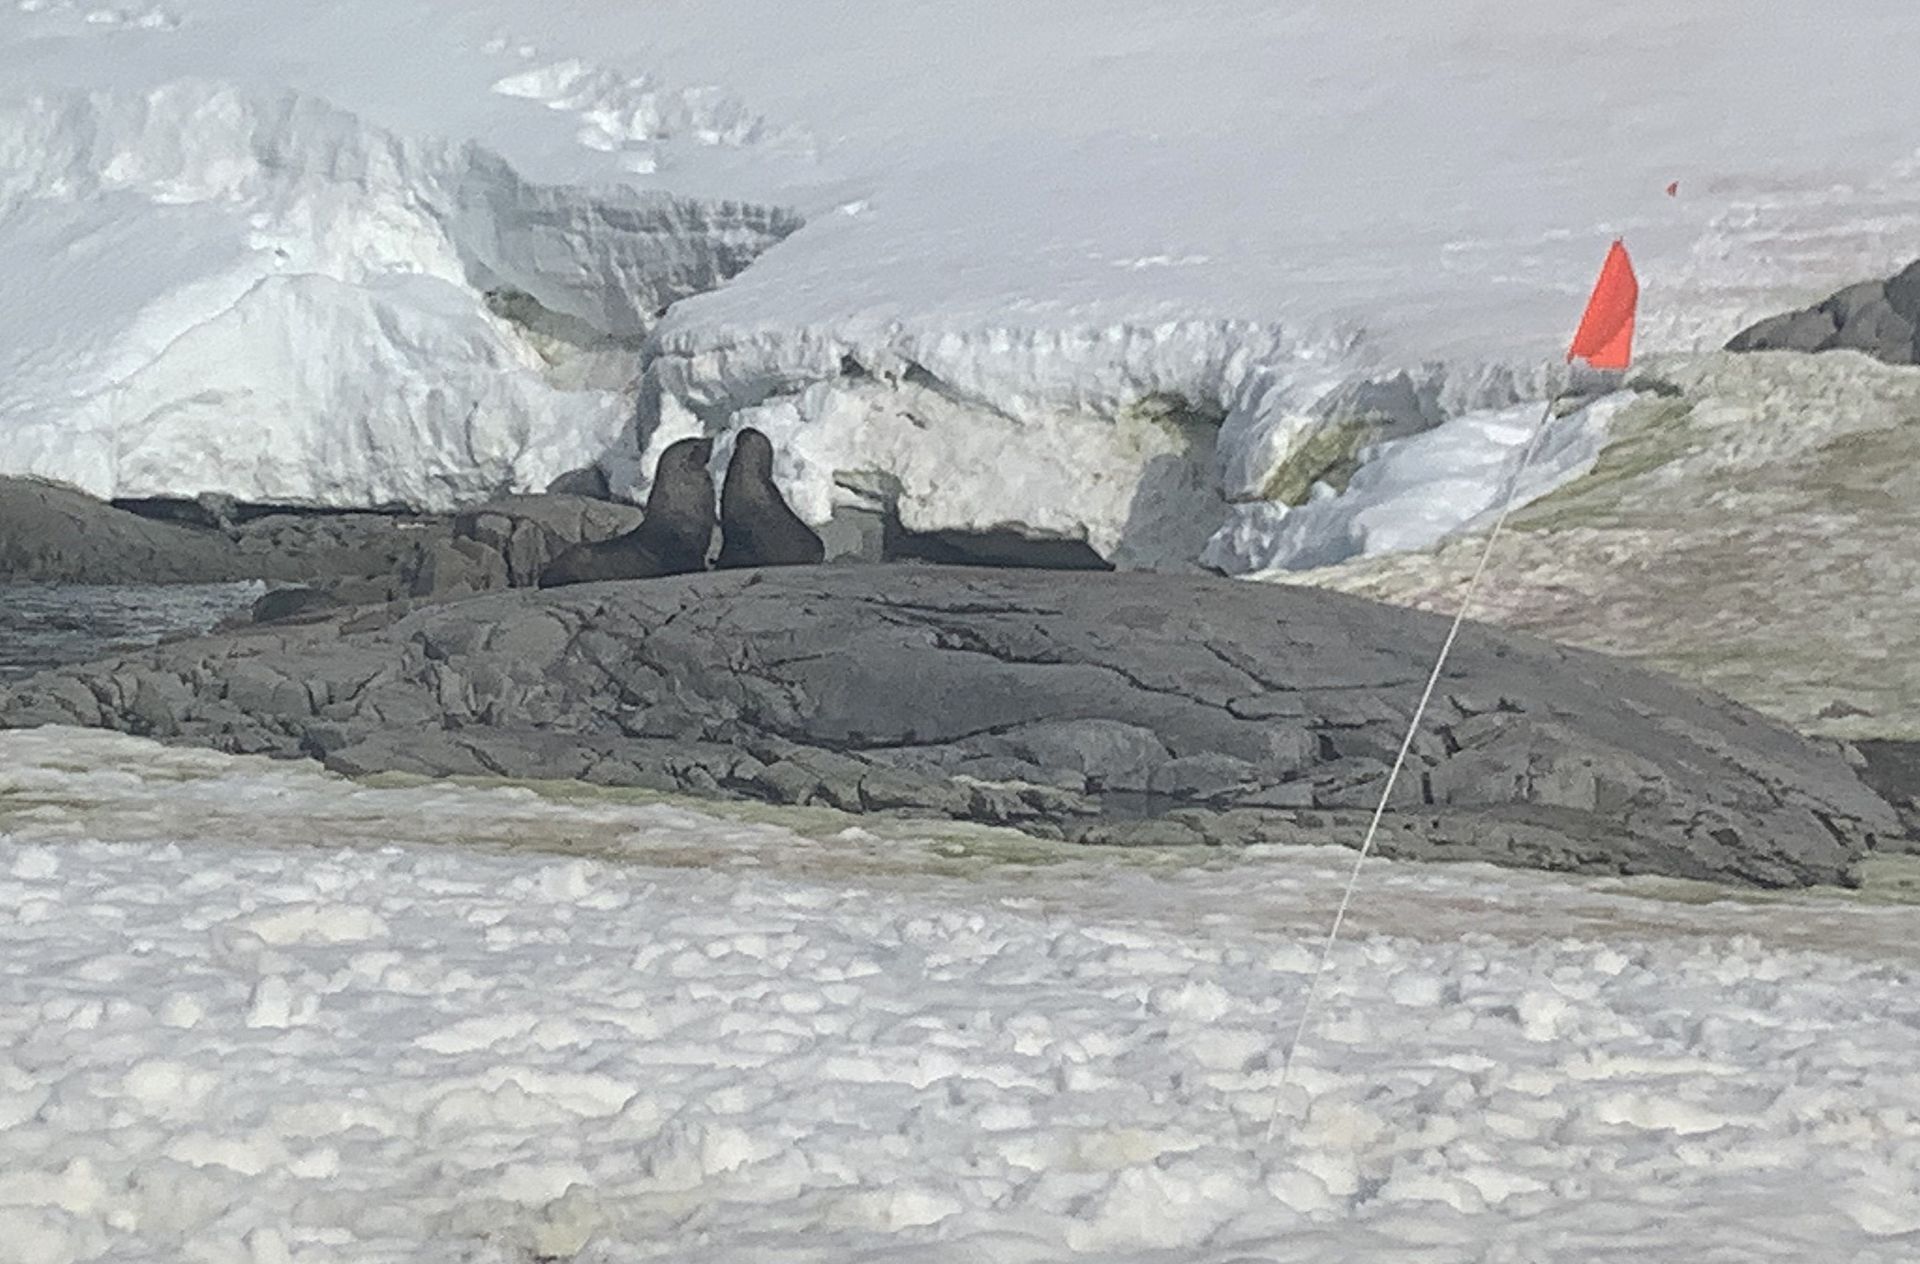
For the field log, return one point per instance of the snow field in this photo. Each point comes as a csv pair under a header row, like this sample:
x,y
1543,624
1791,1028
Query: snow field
x,y
623,1031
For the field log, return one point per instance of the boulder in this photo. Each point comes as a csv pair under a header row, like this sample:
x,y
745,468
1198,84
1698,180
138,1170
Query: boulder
x,y
296,604
1892,767
1808,330
528,532
1878,318
1903,292
590,481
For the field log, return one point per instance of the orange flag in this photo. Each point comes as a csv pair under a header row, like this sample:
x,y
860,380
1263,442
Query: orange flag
x,y
1605,337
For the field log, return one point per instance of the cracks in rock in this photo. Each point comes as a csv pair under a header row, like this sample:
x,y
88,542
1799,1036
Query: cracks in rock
x,y
484,758
1233,661
855,747
982,607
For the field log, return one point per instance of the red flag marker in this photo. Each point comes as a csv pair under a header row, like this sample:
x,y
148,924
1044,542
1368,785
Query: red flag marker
x,y
1605,337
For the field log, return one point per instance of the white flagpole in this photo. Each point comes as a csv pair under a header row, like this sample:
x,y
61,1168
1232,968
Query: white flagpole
x,y
1510,490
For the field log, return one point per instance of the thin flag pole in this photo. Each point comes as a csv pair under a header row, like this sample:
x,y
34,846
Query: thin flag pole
x,y
1509,492
1605,341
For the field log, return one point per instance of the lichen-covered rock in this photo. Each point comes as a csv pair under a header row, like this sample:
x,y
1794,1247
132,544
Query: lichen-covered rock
x,y
1100,707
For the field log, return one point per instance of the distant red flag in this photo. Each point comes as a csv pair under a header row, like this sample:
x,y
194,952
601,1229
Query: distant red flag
x,y
1673,190
1605,337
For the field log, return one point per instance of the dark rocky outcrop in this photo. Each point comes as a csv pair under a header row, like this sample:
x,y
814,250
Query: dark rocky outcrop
x,y
1880,318
999,548
528,532
875,534
1892,768
56,534
1108,708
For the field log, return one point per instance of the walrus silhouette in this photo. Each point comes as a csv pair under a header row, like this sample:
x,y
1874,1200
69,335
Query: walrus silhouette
x,y
757,526
672,539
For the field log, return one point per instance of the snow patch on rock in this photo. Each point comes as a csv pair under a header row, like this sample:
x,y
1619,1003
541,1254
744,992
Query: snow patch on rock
x,y
1411,493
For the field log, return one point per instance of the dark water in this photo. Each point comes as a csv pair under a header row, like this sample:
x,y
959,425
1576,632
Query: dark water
x,y
46,625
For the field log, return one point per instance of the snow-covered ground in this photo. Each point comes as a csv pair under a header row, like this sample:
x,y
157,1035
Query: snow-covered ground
x,y
372,251
254,1013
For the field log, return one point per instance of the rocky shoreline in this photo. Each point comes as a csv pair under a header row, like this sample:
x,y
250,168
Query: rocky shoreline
x,y
1103,708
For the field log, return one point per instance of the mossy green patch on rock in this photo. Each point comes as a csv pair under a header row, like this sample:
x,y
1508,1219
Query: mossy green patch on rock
x,y
1649,433
1328,454
1163,422
1174,411
916,843
1889,880
1883,880
554,335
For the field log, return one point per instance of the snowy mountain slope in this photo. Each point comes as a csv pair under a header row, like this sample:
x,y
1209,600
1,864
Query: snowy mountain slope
x,y
1050,217
1753,532
625,1032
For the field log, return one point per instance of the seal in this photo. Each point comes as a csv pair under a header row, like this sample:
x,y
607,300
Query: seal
x,y
673,537
757,526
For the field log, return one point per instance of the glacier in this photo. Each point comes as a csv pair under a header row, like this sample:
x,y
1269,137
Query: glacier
x,y
264,296
1111,275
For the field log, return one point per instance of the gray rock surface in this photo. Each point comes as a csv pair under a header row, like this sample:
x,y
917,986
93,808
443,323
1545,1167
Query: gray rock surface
x,y
286,605
1879,318
1892,768
1109,708
528,532
355,557
52,533
56,534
